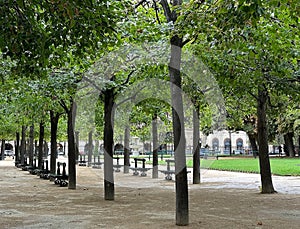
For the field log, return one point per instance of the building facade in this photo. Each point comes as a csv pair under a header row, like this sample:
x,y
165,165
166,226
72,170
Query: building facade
x,y
222,141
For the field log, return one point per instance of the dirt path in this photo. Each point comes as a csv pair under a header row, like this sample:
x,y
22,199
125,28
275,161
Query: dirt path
x,y
27,201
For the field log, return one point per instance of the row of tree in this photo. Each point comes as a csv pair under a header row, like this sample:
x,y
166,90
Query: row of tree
x,y
236,62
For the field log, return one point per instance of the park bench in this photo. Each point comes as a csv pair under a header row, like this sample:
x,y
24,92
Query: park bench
x,y
60,178
27,167
82,161
44,173
168,172
117,166
96,164
24,166
137,169
18,164
30,168
38,171
33,170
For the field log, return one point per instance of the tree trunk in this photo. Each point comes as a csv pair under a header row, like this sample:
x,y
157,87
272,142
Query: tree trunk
x,y
71,145
53,144
77,144
109,188
196,146
2,149
264,162
23,146
35,153
299,146
126,149
155,147
46,149
90,151
288,141
41,148
31,148
17,148
182,208
252,139
182,203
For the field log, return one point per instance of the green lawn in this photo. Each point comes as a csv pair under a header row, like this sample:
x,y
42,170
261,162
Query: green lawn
x,y
279,166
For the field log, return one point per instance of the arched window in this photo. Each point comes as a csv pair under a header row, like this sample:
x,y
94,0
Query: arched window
x,y
215,144
227,144
239,144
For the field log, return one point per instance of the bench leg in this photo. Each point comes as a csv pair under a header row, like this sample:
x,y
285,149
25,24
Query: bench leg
x,y
143,174
135,173
168,177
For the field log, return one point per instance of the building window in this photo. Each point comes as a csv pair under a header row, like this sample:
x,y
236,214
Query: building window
x,y
215,144
227,144
239,144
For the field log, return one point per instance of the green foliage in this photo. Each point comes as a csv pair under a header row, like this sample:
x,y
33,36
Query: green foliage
x,y
145,24
53,41
41,34
262,49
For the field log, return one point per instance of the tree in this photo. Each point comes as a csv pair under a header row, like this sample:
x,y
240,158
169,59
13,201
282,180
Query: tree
x,y
44,38
182,209
255,47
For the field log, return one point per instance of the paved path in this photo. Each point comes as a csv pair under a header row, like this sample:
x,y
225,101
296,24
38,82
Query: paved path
x,y
223,179
223,200
212,179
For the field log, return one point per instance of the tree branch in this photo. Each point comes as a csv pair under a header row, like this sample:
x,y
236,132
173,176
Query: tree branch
x,y
64,105
92,82
156,11
167,10
128,78
139,3
132,97
190,40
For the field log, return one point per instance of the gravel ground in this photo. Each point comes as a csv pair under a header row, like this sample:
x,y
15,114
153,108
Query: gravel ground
x,y
222,200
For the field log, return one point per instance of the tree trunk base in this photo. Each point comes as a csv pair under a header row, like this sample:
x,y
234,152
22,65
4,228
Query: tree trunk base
x,y
109,190
268,192
126,169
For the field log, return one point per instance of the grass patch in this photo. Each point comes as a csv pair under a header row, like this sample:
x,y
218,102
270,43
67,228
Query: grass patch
x,y
279,166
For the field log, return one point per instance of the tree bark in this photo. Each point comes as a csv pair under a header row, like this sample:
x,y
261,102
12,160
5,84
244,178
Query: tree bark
x,y
53,144
23,145
288,141
299,146
2,149
17,148
71,145
90,143
252,138
126,149
109,188
196,146
264,162
31,142
35,153
182,209
155,147
77,144
41,148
